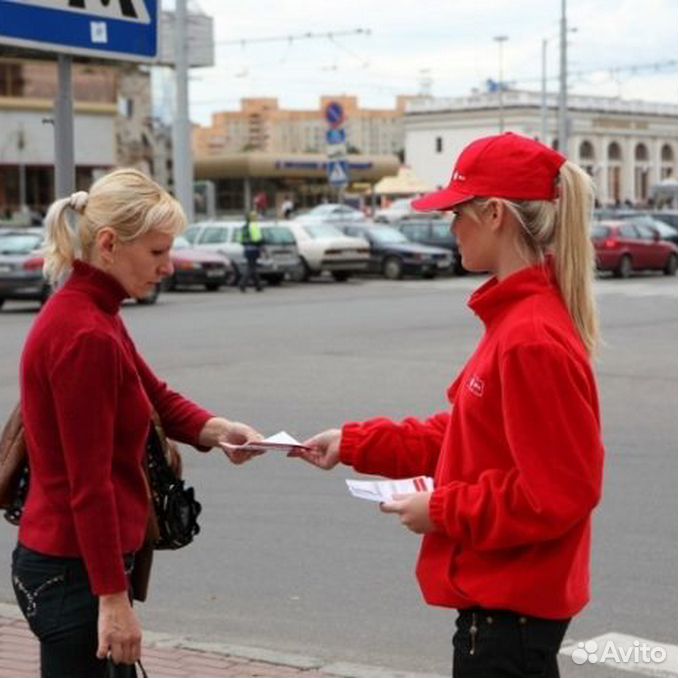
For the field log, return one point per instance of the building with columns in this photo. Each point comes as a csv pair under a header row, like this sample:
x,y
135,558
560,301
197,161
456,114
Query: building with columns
x,y
626,146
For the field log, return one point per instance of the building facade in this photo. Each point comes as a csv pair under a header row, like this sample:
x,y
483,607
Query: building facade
x,y
261,125
112,127
626,146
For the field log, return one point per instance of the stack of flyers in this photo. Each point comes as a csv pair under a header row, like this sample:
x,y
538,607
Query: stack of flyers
x,y
383,490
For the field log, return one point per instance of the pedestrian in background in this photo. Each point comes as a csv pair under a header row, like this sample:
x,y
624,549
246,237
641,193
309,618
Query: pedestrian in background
x,y
87,397
287,207
251,240
517,459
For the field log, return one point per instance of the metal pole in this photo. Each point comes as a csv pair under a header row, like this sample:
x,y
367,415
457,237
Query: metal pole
x,y
501,39
544,130
21,144
64,153
562,100
182,159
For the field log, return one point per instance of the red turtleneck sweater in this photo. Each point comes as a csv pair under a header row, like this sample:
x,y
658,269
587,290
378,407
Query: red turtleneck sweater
x,y
517,461
86,399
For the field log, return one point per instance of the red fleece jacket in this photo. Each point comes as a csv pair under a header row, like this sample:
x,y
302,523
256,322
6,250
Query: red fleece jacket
x,y
86,399
517,462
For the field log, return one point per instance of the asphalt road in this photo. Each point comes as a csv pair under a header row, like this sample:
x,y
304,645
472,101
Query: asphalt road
x,y
286,559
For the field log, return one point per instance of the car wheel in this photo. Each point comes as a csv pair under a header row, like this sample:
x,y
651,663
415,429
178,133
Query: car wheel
x,y
2,301
151,298
212,287
341,276
275,280
429,275
625,267
392,268
671,265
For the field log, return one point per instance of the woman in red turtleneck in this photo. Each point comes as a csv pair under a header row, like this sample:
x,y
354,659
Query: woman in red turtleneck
x,y
517,458
87,397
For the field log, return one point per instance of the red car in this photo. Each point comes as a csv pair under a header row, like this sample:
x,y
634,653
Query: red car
x,y
623,247
195,267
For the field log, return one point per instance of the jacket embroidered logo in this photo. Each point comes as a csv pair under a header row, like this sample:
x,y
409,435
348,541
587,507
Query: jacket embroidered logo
x,y
476,385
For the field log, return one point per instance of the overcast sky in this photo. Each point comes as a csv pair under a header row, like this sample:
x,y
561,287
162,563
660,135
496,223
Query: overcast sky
x,y
449,42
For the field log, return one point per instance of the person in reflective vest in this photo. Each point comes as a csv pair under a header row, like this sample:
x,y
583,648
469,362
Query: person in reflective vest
x,y
251,239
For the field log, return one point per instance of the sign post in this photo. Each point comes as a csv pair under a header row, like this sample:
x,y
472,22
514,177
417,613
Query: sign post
x,y
337,163
123,30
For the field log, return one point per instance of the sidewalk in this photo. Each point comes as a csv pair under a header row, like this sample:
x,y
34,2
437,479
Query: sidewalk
x,y
171,656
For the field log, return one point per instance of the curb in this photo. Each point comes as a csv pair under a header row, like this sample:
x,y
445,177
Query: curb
x,y
296,661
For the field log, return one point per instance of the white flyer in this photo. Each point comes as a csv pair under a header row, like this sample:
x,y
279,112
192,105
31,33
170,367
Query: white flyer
x,y
383,490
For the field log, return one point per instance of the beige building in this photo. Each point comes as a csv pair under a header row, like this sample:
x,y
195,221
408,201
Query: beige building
x,y
112,126
261,125
626,146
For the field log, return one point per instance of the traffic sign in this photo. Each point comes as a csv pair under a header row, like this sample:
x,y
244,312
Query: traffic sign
x,y
113,29
335,136
334,113
337,173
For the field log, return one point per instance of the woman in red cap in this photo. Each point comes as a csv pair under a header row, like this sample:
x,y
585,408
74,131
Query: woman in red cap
x,y
517,458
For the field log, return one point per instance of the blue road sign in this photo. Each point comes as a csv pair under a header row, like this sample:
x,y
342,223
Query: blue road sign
x,y
335,136
334,113
337,173
113,29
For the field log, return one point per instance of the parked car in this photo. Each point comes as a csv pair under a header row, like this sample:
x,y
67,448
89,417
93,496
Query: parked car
x,y
394,256
434,232
665,231
396,210
323,247
192,266
21,266
279,252
331,213
669,217
623,247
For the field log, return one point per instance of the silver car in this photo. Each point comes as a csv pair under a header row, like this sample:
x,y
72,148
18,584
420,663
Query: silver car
x,y
279,253
21,266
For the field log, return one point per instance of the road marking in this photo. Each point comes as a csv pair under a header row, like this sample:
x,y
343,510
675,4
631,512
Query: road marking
x,y
626,653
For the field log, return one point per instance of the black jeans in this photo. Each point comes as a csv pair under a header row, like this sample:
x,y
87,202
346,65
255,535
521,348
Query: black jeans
x,y
251,272
55,598
503,644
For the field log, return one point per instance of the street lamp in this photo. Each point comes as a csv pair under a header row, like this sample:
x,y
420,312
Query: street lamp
x,y
500,40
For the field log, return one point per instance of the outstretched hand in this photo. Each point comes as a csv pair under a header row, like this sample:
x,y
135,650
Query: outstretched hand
x,y
231,436
324,452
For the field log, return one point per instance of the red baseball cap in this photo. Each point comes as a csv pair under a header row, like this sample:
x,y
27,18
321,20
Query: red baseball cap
x,y
502,166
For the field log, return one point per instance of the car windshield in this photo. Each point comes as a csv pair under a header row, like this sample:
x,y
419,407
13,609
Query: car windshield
x,y
191,233
277,235
20,243
388,235
320,210
323,231
180,243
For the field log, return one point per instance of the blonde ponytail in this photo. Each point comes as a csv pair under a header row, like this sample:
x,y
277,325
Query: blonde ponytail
x,y
574,253
60,242
125,201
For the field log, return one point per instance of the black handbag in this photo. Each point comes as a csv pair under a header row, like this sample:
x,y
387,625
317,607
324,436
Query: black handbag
x,y
174,505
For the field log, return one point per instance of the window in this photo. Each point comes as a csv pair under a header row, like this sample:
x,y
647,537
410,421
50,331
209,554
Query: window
x,y
192,233
439,144
214,234
646,233
667,153
442,231
641,152
416,232
614,151
586,150
628,231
